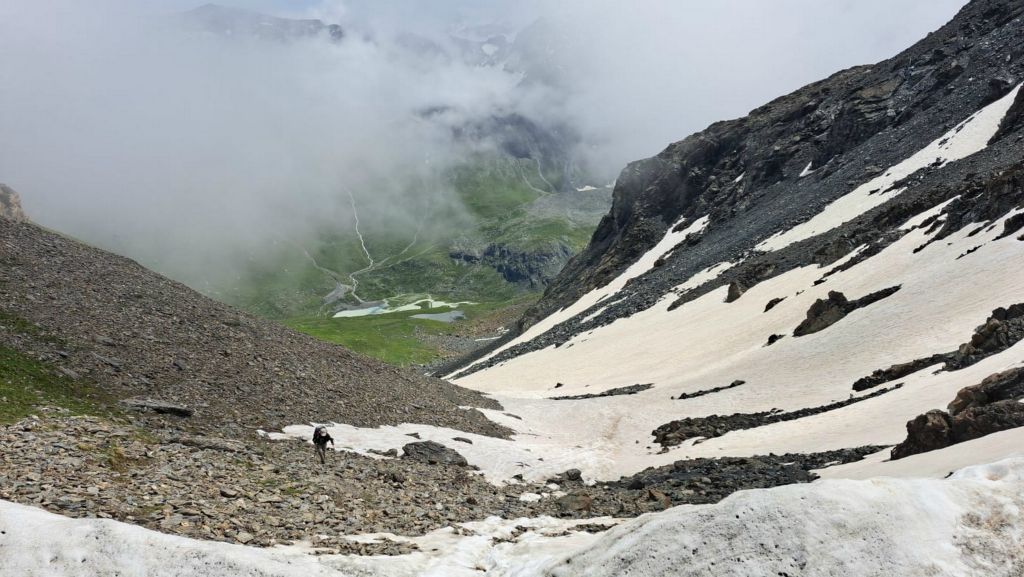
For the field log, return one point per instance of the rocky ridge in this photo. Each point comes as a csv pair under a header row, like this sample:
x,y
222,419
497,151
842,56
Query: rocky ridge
x,y
751,177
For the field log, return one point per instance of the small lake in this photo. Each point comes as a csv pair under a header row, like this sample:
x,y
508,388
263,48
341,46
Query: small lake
x,y
383,308
448,317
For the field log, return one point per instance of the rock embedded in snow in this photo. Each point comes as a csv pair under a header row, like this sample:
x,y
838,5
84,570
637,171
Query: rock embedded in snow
x,y
1003,329
926,432
826,312
979,410
433,453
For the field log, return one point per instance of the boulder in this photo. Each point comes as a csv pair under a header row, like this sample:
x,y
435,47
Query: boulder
x,y
926,432
1006,385
736,290
433,453
823,314
826,312
575,503
573,475
976,422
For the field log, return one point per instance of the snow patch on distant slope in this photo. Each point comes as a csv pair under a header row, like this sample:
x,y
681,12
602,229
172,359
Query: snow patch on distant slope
x,y
968,137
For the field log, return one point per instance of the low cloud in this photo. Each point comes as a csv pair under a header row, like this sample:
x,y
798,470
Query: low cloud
x,y
192,150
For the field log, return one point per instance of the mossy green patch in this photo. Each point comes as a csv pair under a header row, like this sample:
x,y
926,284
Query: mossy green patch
x,y
27,384
397,338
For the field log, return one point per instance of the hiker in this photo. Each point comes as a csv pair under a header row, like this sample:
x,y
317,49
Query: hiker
x,y
320,439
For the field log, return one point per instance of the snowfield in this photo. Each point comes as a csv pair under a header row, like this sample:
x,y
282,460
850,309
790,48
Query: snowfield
x,y
708,343
969,524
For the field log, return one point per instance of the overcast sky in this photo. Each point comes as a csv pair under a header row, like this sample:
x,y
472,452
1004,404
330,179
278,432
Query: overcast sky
x,y
120,129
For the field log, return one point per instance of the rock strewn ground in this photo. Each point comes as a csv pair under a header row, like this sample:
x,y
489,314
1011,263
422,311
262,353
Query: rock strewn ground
x,y
250,491
262,493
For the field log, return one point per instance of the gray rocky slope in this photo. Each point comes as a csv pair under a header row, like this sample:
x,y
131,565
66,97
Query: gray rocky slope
x,y
104,319
745,174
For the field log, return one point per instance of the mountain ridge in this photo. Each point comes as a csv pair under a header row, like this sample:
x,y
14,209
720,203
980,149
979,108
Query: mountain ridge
x,y
744,173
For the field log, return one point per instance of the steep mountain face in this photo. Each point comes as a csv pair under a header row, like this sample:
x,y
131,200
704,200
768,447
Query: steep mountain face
x,y
831,272
775,169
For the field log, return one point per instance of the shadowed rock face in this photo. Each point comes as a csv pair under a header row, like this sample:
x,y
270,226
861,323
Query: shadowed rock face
x,y
10,205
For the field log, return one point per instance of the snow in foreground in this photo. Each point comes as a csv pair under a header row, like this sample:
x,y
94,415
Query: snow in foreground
x,y
969,524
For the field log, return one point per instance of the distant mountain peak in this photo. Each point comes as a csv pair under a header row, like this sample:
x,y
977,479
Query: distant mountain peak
x,y
230,21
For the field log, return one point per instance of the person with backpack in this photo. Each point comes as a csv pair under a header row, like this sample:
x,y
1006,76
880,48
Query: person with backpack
x,y
320,439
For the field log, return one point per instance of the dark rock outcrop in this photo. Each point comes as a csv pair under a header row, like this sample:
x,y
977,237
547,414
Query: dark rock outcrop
x,y
991,406
710,480
826,312
926,432
433,453
676,432
979,421
630,390
732,385
1004,386
533,268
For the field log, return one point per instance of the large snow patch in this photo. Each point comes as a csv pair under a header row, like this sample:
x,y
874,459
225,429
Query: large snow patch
x,y
967,525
